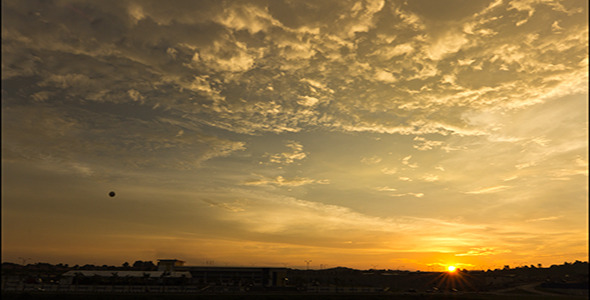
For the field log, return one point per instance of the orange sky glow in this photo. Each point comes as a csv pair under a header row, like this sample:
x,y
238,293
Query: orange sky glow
x,y
366,134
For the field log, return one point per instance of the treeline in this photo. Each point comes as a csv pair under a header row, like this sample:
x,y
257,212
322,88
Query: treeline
x,y
138,265
577,263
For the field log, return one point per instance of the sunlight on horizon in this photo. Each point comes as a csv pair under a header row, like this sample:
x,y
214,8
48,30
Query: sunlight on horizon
x,y
400,134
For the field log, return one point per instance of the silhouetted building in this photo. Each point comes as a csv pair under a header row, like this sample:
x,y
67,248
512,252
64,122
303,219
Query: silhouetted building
x,y
169,264
228,276
237,276
118,277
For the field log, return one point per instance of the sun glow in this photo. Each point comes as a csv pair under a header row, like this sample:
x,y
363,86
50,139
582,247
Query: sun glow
x,y
451,269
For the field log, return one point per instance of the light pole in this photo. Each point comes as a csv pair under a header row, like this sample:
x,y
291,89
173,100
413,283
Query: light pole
x,y
307,261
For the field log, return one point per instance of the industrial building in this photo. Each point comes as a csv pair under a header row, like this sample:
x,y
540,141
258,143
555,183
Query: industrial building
x,y
228,276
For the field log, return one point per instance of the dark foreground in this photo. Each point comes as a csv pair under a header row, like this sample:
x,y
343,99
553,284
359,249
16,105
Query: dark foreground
x,y
45,282
272,296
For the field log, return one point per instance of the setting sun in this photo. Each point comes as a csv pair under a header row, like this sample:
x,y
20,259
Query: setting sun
x,y
451,269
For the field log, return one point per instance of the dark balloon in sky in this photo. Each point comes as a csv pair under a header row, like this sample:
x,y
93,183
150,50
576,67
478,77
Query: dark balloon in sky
x,y
112,194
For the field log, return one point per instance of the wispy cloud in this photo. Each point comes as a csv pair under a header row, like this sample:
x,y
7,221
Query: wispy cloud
x,y
430,177
417,195
551,218
286,158
388,171
483,252
406,161
489,190
425,144
373,160
233,206
386,189
282,181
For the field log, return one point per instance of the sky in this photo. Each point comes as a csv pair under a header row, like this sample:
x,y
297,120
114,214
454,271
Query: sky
x,y
364,134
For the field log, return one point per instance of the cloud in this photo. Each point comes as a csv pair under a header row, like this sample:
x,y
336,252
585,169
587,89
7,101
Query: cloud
x,y
281,181
84,138
360,17
247,17
373,160
235,206
201,85
387,53
237,57
317,85
292,216
135,95
430,177
426,144
385,76
41,96
555,27
220,148
195,93
552,218
308,101
409,18
446,45
483,252
406,161
224,50
386,189
286,158
82,169
489,190
388,171
417,195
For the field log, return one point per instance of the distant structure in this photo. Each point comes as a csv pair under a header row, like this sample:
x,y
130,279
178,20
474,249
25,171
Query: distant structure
x,y
113,277
228,276
173,275
168,265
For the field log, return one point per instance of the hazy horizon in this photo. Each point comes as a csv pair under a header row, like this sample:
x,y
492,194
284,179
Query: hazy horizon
x,y
363,134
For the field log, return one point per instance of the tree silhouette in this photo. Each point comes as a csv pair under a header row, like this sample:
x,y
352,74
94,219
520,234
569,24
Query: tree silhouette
x,y
144,265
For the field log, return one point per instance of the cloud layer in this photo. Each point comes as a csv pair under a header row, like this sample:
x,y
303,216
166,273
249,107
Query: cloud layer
x,y
294,122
